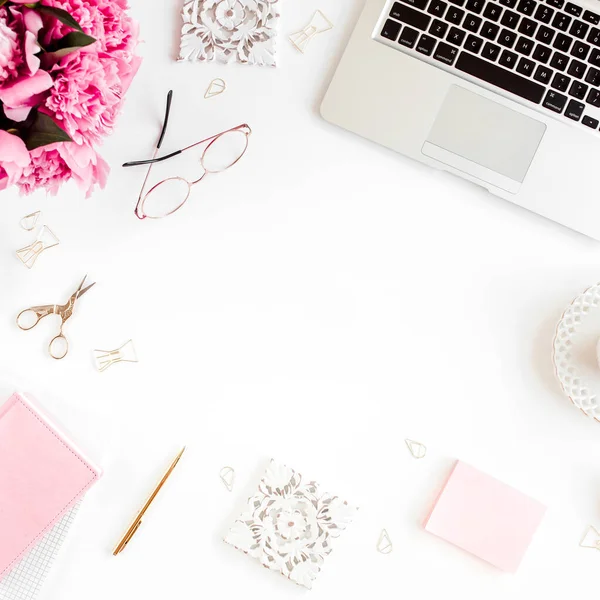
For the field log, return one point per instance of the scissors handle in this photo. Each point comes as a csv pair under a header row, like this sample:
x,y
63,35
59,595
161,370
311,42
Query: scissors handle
x,y
58,347
27,319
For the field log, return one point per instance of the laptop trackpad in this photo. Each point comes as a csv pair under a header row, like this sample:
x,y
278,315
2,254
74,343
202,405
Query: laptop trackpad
x,y
484,139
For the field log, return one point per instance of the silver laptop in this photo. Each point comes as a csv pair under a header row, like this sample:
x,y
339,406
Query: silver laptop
x,y
504,93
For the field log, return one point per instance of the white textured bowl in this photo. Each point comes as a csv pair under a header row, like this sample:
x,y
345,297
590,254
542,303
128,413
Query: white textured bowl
x,y
574,352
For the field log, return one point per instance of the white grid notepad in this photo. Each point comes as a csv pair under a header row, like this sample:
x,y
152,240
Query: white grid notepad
x,y
25,580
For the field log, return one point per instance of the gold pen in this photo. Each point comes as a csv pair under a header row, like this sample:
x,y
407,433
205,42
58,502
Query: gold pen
x,y
140,515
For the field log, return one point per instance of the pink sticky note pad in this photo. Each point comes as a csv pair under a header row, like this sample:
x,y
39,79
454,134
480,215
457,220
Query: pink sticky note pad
x,y
42,475
485,517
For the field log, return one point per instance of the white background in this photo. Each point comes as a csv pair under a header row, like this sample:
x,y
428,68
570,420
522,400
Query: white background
x,y
318,304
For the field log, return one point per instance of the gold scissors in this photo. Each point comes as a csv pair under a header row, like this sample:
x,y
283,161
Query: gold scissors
x,y
30,317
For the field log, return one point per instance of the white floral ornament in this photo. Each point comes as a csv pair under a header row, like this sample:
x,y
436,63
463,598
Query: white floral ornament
x,y
241,31
289,524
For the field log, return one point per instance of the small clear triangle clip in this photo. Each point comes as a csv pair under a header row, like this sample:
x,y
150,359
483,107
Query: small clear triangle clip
x,y
28,222
318,24
384,545
591,534
45,239
215,88
107,358
227,475
417,449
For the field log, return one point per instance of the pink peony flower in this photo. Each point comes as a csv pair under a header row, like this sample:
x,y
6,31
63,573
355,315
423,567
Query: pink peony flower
x,y
53,165
11,57
14,157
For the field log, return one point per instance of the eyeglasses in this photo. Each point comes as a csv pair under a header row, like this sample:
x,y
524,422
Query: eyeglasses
x,y
166,197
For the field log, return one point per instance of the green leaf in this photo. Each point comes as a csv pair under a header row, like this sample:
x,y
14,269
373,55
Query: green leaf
x,y
69,43
62,15
44,131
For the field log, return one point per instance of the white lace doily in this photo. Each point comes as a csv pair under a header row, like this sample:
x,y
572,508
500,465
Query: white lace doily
x,y
242,31
574,352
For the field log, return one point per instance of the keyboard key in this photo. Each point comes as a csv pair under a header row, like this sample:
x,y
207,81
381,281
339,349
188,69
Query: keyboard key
x,y
591,17
473,43
527,7
445,53
508,59
510,19
524,46
577,69
556,3
490,51
594,36
595,57
579,29
563,42
495,75
573,9
410,16
455,15
545,34
492,12
580,50
559,61
526,67
472,23
594,97
544,13
420,4
507,38
437,8
509,3
561,21
561,82
456,36
408,37
458,2
489,31
390,30
590,122
578,90
542,53
574,110
527,26
426,44
593,76
554,101
543,74
475,6
438,28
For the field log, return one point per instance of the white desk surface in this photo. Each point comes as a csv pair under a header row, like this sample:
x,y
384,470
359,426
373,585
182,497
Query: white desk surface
x,y
318,304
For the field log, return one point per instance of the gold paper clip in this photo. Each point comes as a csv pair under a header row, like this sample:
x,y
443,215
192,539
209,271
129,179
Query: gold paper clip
x,y
227,476
28,222
384,545
45,240
215,88
107,358
591,532
417,449
318,24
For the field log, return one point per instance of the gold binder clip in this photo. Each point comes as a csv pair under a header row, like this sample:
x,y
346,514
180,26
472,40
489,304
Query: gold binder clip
x,y
215,88
318,24
227,476
28,222
384,545
417,449
107,358
45,240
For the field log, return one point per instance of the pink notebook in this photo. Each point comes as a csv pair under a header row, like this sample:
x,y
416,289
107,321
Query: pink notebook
x,y
42,475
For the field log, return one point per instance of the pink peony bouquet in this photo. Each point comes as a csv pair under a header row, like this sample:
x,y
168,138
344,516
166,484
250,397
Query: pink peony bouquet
x,y
65,66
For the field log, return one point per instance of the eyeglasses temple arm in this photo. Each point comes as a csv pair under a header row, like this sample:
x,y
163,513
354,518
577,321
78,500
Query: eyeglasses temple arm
x,y
137,163
166,121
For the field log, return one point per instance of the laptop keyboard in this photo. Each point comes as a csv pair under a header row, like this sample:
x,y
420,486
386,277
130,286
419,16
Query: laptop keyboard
x,y
547,52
